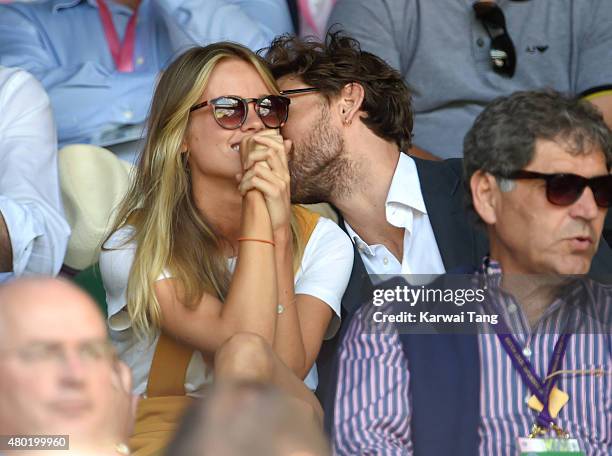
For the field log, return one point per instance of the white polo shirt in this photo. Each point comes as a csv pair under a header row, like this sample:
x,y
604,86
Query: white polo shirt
x,y
324,273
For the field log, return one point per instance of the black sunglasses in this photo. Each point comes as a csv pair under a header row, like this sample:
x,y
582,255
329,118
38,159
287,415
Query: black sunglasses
x,y
565,189
230,111
296,91
502,52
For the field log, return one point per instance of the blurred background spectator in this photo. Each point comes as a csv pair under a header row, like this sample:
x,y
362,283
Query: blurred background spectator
x,y
58,372
458,56
248,419
99,59
33,232
310,16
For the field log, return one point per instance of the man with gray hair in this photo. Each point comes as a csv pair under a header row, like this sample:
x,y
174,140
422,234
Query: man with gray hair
x,y
528,162
538,172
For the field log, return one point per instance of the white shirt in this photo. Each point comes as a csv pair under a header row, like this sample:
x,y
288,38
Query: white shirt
x,y
404,208
30,200
324,273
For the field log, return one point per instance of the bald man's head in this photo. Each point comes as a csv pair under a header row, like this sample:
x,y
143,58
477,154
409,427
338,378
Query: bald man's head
x,y
48,302
57,366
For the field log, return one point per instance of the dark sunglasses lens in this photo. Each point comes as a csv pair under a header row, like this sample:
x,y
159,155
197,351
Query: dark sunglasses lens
x,y
229,112
564,189
602,190
273,110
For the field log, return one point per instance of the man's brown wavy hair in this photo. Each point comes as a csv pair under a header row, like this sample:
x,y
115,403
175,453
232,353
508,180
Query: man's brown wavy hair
x,y
339,61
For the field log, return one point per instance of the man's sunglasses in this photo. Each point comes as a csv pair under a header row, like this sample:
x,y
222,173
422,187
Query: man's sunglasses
x,y
230,111
565,189
502,52
298,91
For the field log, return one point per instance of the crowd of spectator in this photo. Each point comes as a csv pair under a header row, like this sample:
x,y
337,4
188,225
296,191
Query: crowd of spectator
x,y
223,186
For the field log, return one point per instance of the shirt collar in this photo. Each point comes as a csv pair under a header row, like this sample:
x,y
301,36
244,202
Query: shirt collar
x,y
405,189
65,4
404,197
571,295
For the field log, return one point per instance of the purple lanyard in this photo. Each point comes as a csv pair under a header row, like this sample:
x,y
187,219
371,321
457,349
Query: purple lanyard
x,y
541,389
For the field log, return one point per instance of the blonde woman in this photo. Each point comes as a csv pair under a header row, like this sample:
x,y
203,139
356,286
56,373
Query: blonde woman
x,y
207,249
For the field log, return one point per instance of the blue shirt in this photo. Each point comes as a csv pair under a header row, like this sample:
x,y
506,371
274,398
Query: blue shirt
x,y
63,44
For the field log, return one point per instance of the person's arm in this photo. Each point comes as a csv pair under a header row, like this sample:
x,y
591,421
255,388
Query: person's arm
x,y
267,171
373,377
250,304
592,62
307,307
253,23
289,341
603,101
33,232
307,319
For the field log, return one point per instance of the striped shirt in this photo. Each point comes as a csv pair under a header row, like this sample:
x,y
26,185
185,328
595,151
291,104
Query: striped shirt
x,y
373,411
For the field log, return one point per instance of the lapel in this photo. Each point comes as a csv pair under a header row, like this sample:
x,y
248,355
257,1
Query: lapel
x,y
601,267
357,292
459,241
444,393
359,286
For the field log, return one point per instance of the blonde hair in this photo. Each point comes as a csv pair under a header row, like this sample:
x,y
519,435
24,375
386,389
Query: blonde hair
x,y
171,235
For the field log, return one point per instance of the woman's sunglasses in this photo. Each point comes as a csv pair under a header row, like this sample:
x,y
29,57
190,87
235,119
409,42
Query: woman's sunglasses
x,y
230,111
565,189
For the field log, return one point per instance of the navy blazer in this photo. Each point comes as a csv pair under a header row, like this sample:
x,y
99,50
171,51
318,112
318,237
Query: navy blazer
x,y
460,243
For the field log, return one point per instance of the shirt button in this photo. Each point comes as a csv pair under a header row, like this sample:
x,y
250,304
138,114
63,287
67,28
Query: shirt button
x,y
386,260
360,247
512,308
527,399
128,115
480,42
140,60
527,351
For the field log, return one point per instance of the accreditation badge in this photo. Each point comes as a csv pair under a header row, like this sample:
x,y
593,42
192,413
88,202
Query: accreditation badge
x,y
549,446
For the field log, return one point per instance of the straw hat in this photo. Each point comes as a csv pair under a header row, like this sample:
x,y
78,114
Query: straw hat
x,y
93,181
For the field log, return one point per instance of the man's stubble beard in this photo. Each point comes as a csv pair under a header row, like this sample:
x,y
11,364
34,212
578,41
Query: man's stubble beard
x,y
319,165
